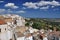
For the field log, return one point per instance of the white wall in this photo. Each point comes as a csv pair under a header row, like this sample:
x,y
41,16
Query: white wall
x,y
9,34
29,38
21,38
5,34
2,27
20,22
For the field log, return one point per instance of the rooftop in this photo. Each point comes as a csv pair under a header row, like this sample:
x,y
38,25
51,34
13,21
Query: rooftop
x,y
28,35
2,22
21,29
19,34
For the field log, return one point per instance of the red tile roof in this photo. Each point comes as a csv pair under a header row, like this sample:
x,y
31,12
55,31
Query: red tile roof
x,y
2,22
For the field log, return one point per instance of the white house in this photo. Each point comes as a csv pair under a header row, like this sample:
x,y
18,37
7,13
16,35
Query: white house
x,y
32,30
28,36
7,25
4,34
20,21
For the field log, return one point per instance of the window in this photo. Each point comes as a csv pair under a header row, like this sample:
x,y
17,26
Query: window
x,y
5,28
15,22
0,30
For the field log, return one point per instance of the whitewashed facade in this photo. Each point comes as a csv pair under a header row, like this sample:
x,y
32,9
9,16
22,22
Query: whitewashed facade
x,y
20,38
29,38
4,34
20,21
6,30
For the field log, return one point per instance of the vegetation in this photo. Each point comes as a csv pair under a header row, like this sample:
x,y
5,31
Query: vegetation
x,y
41,23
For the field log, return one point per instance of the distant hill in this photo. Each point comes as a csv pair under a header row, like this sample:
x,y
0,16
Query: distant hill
x,y
52,20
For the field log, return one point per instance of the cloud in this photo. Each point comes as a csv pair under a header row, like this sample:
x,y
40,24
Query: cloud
x,y
47,7
11,5
30,5
55,3
8,11
42,4
2,11
21,11
1,1
52,6
23,8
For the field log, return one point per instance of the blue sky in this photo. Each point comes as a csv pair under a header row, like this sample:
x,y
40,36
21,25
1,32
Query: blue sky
x,y
31,8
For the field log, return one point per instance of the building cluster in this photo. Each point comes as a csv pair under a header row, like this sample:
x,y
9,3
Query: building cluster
x,y
12,27
7,24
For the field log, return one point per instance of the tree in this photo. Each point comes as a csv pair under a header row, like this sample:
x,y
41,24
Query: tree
x,y
36,25
27,24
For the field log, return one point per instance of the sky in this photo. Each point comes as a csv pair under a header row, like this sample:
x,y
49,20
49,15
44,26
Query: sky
x,y
31,8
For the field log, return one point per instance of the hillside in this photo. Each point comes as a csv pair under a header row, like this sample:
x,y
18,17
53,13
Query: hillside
x,y
43,23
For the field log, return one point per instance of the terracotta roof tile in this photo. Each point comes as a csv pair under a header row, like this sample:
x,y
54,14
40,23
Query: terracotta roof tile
x,y
2,22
